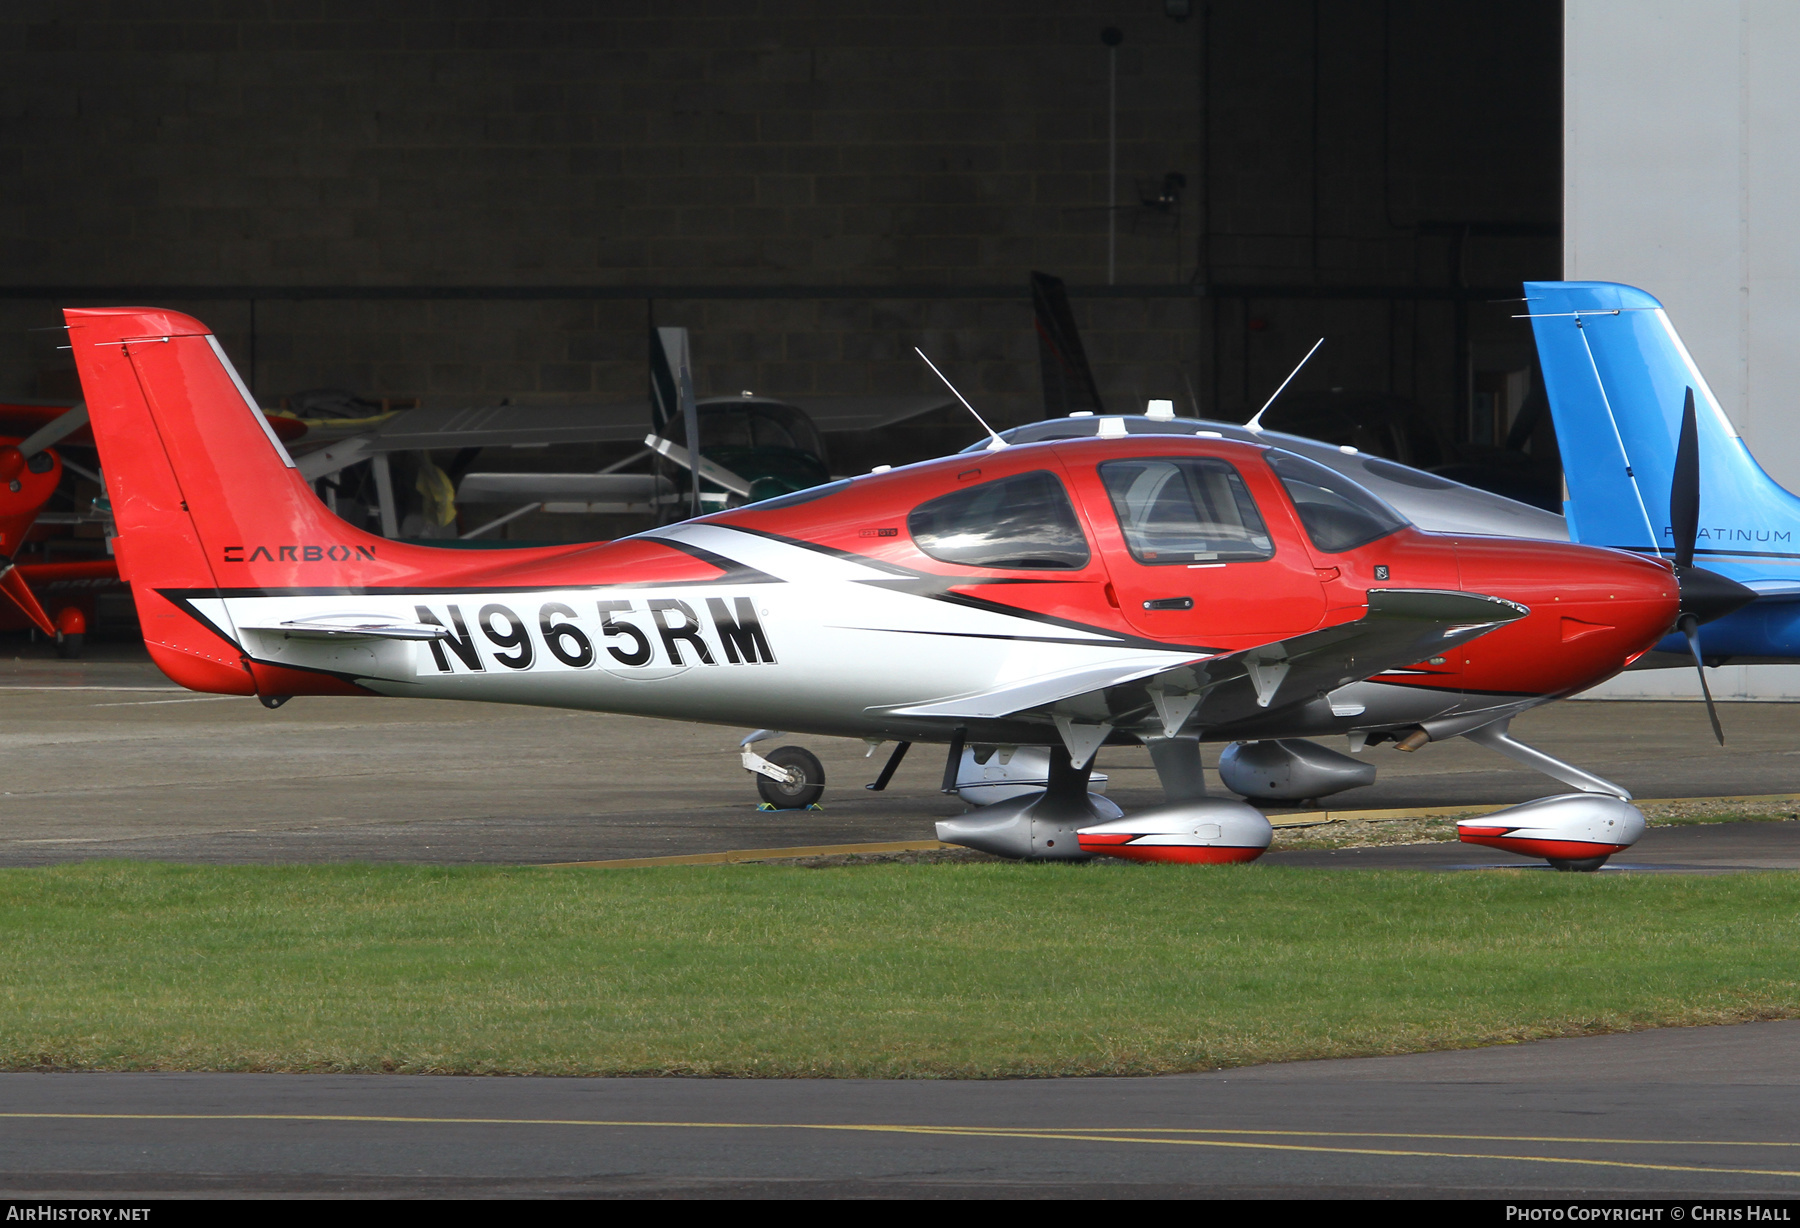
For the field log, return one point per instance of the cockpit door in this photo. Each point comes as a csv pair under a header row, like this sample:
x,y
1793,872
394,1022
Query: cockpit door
x,y
1199,549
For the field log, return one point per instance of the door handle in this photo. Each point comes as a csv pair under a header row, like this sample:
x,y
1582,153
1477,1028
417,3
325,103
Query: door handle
x,y
1169,603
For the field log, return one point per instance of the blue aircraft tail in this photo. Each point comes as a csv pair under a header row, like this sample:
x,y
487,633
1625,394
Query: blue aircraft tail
x,y
1617,375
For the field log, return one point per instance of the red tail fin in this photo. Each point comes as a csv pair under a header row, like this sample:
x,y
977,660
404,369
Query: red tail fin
x,y
206,498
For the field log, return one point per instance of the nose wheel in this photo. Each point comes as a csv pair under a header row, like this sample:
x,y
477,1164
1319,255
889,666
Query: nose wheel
x,y
805,783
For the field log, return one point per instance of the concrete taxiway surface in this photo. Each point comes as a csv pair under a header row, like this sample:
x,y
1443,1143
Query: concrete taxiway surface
x,y
105,758
1677,1113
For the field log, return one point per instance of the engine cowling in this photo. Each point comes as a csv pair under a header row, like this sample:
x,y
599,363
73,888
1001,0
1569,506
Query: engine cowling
x,y
1203,831
1572,831
1288,769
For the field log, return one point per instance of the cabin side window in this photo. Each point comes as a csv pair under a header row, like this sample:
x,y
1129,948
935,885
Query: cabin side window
x,y
1338,514
1185,510
1022,522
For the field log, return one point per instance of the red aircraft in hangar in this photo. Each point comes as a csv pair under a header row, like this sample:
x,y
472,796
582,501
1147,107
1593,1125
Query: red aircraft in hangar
x,y
55,597
1146,588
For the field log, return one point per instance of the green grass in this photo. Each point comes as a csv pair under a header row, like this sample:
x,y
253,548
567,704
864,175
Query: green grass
x,y
885,970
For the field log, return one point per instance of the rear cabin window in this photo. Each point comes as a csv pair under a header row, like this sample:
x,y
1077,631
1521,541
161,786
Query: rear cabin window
x,y
1185,510
1338,514
1024,522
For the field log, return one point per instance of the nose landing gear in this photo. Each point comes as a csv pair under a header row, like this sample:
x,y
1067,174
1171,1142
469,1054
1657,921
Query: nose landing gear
x,y
788,778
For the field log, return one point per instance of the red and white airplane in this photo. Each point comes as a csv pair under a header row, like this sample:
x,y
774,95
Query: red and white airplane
x,y
1155,589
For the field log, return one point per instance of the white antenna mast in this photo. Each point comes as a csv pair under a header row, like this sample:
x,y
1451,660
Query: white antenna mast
x,y
998,442
1255,424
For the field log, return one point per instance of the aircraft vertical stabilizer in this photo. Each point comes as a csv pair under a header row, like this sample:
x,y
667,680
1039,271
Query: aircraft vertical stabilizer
x,y
208,502
1617,375
668,352
1068,381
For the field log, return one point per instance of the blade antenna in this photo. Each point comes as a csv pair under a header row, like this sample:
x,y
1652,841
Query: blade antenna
x,y
997,441
1255,423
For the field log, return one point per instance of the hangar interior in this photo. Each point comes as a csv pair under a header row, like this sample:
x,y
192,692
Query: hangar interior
x,y
475,204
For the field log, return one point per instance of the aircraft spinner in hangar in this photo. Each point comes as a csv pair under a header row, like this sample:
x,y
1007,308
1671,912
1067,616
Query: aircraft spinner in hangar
x,y
1062,594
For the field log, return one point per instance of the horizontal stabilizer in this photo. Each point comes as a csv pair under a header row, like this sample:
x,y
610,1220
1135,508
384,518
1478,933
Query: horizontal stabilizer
x,y
356,627
1402,626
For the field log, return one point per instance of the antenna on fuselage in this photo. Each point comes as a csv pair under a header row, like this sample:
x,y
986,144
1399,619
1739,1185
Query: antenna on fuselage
x,y
1255,423
997,441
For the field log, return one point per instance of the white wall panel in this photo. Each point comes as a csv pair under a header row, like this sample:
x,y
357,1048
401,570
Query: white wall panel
x,y
1682,175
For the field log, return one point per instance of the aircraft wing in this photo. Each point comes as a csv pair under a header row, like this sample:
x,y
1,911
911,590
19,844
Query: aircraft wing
x,y
46,425
26,417
16,591
417,430
563,487
622,422
1401,626
21,584
841,415
492,426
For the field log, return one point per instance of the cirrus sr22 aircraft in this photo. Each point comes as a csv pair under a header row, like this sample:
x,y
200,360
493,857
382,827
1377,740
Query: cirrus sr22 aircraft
x,y
1132,588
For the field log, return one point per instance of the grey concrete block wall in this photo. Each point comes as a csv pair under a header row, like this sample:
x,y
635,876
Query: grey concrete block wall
x,y
853,144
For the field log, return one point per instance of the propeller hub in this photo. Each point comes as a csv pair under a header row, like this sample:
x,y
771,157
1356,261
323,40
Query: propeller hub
x,y
1707,595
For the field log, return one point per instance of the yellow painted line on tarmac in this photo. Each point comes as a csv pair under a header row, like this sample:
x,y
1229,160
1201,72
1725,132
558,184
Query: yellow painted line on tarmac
x,y
1462,1138
1313,818
1135,1135
163,689
1317,818
1047,1136
733,855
